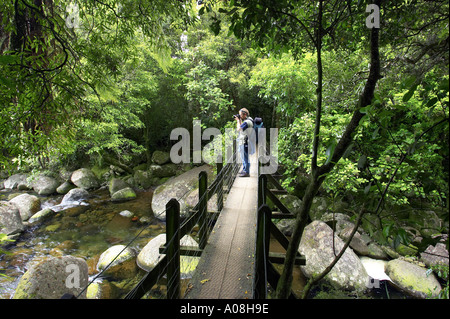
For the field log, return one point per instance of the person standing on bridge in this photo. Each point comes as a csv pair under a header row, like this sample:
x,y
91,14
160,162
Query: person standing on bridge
x,y
244,124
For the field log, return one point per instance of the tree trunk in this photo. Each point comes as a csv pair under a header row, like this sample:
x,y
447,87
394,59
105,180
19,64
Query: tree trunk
x,y
318,174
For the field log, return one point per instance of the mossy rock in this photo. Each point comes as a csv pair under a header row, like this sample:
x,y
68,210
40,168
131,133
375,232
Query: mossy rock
x,y
53,277
121,267
124,195
160,157
413,279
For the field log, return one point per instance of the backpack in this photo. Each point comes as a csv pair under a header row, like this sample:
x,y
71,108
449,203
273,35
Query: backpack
x,y
257,124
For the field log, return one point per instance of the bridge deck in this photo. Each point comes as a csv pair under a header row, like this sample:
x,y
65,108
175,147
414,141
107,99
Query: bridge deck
x,y
226,267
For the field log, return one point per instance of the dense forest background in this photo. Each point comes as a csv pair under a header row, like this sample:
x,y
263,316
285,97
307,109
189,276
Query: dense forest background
x,y
101,82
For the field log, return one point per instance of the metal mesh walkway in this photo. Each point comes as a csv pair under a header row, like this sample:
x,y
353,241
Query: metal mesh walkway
x,y
226,267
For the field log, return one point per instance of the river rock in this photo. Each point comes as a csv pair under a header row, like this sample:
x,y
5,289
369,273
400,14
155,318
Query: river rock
x,y
427,221
10,220
53,277
101,290
291,202
116,184
124,194
286,226
76,196
342,221
435,255
412,279
124,266
150,256
143,179
84,178
317,247
375,251
45,185
160,157
126,213
177,187
15,180
357,243
161,171
65,187
42,215
27,204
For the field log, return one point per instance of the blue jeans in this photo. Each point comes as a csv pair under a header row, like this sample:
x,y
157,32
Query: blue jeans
x,y
244,157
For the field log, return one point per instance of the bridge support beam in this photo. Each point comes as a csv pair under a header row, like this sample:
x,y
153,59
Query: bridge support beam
x,y
262,251
203,203
173,249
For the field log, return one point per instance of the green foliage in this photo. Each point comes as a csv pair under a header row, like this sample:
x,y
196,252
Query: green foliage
x,y
442,272
285,83
57,59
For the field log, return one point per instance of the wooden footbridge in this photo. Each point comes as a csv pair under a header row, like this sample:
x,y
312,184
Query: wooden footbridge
x,y
235,260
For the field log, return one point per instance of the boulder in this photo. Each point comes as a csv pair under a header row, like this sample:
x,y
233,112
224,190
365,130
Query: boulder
x,y
427,221
317,247
286,226
178,187
53,277
435,255
376,252
65,187
161,171
150,256
101,290
27,204
342,221
319,207
192,200
357,243
167,170
122,260
15,180
116,184
160,157
42,215
45,185
75,196
123,195
412,279
291,202
10,220
143,179
84,178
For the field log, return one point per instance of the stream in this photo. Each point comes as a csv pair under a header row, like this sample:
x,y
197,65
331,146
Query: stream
x,y
87,230
83,231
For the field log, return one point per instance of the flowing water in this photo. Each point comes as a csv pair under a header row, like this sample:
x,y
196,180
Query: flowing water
x,y
84,231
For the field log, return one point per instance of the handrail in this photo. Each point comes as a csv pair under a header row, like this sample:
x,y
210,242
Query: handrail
x,y
265,272
170,264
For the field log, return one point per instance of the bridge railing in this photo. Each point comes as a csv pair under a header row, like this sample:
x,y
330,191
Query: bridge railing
x,y
265,272
175,230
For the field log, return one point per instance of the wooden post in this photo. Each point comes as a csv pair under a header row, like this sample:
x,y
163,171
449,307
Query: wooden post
x,y
202,201
262,251
220,184
173,249
262,186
